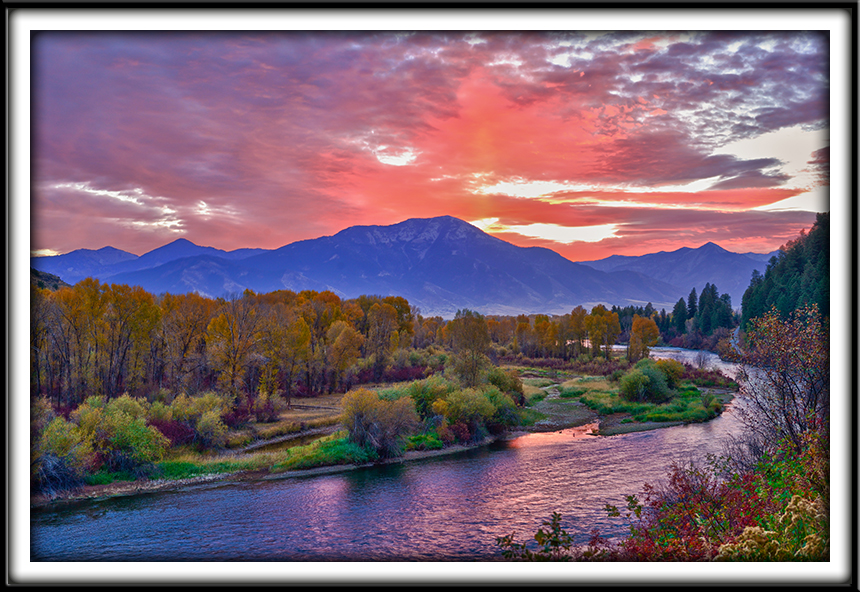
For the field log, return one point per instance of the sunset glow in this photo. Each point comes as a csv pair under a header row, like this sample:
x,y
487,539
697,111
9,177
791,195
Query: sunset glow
x,y
591,144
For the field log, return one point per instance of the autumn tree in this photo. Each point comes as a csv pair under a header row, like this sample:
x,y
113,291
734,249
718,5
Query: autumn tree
x,y
285,341
603,329
39,325
577,329
471,339
124,330
785,376
526,340
382,336
643,334
319,310
184,320
546,334
343,348
231,338
74,316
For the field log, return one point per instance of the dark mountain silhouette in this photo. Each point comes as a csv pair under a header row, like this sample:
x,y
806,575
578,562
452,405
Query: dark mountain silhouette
x,y
438,264
689,268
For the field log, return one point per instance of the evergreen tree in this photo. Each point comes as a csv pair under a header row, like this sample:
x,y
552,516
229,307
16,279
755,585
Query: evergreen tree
x,y
692,304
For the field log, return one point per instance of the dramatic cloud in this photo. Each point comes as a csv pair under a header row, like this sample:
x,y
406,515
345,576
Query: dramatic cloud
x,y
590,144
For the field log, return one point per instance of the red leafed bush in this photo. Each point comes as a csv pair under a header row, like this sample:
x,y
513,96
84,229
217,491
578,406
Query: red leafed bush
x,y
461,432
177,432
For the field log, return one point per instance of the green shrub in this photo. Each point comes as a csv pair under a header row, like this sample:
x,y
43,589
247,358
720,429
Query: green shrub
x,y
376,423
673,370
160,412
506,412
568,393
129,438
646,382
469,406
137,408
64,440
425,392
507,381
634,385
211,431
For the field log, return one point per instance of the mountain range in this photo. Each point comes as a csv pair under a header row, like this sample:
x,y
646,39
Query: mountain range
x,y
438,264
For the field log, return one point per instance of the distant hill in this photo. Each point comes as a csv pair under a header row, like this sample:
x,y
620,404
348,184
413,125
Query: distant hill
x,y
108,261
439,264
688,268
82,263
46,280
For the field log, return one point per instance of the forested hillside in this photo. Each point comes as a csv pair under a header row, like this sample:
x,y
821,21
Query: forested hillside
x,y
799,275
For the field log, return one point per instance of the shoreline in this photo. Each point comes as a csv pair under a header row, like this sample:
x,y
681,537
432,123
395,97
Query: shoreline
x,y
609,425
91,493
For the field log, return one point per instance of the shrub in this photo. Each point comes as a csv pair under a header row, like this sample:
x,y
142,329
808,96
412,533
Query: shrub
x,y
426,392
376,423
645,383
158,411
507,381
469,406
673,371
128,442
63,450
267,407
137,408
634,385
211,431
424,442
336,451
177,432
461,432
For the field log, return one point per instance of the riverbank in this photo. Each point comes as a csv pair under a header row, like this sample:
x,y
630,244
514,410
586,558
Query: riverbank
x,y
89,493
558,413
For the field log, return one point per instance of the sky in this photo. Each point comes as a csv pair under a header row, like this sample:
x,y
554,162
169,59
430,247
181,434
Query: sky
x,y
588,143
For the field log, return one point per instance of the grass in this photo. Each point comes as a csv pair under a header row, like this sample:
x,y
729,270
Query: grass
x,y
424,442
568,393
335,449
687,405
537,382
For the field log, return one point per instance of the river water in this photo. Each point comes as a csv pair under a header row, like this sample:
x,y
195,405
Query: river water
x,y
449,508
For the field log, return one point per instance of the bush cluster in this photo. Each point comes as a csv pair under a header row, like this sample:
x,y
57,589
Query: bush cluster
x,y
440,412
646,382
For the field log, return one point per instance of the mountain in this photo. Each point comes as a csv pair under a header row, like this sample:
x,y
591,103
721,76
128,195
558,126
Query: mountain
x,y
689,268
108,261
438,264
82,263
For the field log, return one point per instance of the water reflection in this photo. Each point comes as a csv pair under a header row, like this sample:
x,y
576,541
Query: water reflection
x,y
583,432
444,508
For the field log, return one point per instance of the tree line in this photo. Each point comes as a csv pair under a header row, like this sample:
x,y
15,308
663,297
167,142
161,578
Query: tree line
x,y
798,276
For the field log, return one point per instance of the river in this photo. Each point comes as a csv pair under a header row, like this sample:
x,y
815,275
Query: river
x,y
448,508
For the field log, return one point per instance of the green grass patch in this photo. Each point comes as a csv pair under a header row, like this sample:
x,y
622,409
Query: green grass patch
x,y
327,451
105,478
530,416
537,382
688,406
424,442
569,393
534,396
